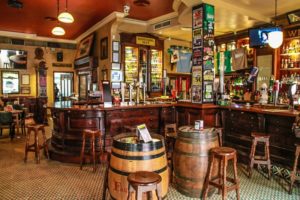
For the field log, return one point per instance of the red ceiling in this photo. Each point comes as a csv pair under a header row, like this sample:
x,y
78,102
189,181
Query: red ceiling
x,y
30,19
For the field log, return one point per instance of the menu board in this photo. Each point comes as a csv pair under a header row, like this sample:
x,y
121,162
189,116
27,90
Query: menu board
x,y
203,53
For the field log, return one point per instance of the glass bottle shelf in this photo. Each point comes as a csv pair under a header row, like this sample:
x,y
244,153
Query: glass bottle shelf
x,y
290,54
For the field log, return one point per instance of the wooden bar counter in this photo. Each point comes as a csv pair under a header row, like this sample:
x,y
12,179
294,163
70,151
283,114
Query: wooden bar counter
x,y
240,121
70,120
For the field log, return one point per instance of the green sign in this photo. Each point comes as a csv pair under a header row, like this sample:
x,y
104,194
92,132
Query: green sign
x,y
209,13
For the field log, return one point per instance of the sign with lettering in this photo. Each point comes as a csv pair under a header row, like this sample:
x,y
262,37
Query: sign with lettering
x,y
145,41
292,32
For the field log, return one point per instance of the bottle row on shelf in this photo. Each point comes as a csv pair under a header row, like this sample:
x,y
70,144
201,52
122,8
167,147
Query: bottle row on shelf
x,y
292,48
289,63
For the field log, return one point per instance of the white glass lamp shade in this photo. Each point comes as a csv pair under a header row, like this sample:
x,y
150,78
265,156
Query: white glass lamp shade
x,y
275,39
58,31
65,17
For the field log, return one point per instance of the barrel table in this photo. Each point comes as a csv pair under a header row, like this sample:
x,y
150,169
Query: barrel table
x,y
129,156
191,159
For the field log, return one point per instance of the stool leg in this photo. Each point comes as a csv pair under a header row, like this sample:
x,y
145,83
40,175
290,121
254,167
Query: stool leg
x,y
267,151
224,188
93,152
82,151
27,145
158,191
129,192
208,177
37,147
293,173
220,175
252,155
139,194
236,178
45,145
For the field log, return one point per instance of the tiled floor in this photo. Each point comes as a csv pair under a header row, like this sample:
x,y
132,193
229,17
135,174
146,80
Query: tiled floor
x,y
55,180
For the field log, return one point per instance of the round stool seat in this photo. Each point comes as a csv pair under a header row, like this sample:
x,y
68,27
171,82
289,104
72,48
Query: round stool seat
x,y
35,126
224,151
91,132
260,135
144,178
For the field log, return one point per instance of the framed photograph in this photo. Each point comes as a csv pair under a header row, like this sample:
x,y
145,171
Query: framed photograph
x,y
104,48
25,79
115,57
116,85
10,82
115,45
116,76
116,66
196,94
25,90
84,47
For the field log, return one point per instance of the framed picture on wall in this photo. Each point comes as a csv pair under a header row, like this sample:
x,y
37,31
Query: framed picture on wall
x,y
115,45
115,57
25,90
116,76
104,48
116,66
84,47
25,79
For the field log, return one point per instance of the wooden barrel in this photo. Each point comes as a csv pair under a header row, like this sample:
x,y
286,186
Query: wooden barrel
x,y
127,156
191,159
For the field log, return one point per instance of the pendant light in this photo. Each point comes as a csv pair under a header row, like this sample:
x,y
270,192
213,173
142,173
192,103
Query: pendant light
x,y
65,16
58,30
275,37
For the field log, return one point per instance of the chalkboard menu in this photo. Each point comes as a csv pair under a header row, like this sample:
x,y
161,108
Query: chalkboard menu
x,y
203,53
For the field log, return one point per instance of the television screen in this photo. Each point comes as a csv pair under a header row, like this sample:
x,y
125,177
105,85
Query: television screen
x,y
259,36
13,59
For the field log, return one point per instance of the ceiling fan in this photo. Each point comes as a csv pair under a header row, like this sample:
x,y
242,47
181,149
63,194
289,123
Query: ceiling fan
x,y
141,2
15,4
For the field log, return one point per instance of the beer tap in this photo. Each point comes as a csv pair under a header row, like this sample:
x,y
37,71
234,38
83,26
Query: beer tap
x,y
137,85
144,86
123,86
130,94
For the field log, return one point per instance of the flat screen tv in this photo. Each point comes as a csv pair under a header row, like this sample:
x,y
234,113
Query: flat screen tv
x,y
259,36
13,59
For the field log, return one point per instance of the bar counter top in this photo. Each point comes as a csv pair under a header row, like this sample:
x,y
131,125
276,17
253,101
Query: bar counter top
x,y
67,105
270,111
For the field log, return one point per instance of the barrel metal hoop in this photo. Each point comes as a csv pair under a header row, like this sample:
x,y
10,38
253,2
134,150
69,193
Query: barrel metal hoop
x,y
145,147
127,173
144,157
203,154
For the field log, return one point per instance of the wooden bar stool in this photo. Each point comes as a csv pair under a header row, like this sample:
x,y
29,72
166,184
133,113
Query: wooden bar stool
x,y
264,160
219,131
224,154
35,147
144,181
92,134
294,172
128,128
170,138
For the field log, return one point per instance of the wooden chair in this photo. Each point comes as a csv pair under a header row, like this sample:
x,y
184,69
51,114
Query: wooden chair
x,y
6,121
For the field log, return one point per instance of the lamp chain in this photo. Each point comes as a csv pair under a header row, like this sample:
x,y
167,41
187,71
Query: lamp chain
x,y
275,12
66,5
